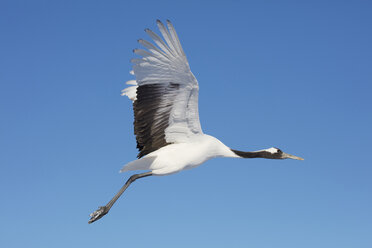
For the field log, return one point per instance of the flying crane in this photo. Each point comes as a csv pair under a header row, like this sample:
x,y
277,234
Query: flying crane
x,y
166,118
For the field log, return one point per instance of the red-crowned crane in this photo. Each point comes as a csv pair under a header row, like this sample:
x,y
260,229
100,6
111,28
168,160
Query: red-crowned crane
x,y
166,118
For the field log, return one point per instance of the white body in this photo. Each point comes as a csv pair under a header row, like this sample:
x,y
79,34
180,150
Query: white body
x,y
176,157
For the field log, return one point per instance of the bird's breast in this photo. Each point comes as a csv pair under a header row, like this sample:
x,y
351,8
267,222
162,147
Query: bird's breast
x,y
176,157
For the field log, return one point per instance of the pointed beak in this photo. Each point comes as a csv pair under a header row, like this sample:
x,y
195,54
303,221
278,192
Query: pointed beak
x,y
286,155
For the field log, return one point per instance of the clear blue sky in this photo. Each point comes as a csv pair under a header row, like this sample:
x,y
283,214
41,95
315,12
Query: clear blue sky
x,y
292,74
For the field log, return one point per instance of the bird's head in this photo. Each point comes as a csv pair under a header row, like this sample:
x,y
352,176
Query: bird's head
x,y
270,153
276,153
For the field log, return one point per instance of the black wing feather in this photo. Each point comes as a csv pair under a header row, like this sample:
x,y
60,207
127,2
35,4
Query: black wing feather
x,y
151,115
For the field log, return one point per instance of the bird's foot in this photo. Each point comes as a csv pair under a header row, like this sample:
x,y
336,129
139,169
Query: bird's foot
x,y
98,214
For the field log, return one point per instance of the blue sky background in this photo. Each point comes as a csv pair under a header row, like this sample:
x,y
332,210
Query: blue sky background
x,y
291,74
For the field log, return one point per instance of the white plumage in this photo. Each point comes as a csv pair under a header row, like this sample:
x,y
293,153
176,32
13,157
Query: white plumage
x,y
163,65
166,118
180,156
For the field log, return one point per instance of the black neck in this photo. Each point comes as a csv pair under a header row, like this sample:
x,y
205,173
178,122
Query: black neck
x,y
258,154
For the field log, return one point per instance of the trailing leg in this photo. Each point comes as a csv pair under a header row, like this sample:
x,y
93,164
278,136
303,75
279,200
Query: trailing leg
x,y
102,211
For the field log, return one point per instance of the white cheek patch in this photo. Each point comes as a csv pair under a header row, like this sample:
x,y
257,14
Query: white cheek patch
x,y
272,150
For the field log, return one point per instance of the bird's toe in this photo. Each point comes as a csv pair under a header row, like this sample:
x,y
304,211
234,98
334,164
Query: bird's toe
x,y
98,214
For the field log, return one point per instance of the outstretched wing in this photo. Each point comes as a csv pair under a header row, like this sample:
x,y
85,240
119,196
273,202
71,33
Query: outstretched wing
x,y
164,94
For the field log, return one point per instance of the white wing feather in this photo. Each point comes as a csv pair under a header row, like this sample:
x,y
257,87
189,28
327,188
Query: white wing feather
x,y
166,64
